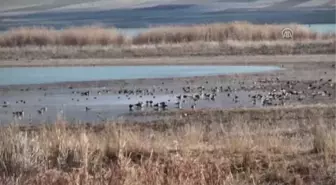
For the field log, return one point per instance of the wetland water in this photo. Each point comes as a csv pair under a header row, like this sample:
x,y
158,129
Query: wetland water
x,y
39,75
108,103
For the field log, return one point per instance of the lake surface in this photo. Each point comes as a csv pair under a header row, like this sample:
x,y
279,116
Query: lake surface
x,y
320,28
39,75
183,14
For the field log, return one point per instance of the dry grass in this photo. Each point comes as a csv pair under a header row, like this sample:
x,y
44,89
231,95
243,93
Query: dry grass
x,y
94,35
77,36
237,38
242,31
234,151
171,50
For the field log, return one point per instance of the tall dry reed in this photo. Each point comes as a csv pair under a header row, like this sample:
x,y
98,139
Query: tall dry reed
x,y
242,31
75,36
95,35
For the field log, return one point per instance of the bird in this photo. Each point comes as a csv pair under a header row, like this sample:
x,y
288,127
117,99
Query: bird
x,y
42,110
212,97
39,111
163,105
179,105
139,104
5,104
18,114
193,106
130,107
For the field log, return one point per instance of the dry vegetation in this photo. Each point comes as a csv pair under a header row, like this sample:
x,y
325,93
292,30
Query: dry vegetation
x,y
241,31
171,50
235,38
272,150
79,36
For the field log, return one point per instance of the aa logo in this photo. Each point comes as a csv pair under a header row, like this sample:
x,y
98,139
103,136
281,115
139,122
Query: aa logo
x,y
287,33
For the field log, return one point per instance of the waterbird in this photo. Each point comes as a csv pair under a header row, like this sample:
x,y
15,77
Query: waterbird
x,y
39,111
179,105
139,104
163,105
212,97
193,106
86,93
5,104
130,107
156,105
42,110
18,114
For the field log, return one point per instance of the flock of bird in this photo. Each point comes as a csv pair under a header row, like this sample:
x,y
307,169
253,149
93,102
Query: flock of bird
x,y
20,114
189,96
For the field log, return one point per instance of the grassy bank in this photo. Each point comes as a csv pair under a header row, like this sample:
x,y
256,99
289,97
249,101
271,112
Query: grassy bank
x,y
171,50
272,150
237,38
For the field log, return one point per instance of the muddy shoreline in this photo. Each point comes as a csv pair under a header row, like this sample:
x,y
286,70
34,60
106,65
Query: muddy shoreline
x,y
166,60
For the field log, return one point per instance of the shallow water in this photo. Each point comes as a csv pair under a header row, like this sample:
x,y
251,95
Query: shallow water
x,y
39,75
322,28
319,28
63,104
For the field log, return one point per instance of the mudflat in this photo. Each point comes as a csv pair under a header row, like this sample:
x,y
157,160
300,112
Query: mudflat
x,y
304,79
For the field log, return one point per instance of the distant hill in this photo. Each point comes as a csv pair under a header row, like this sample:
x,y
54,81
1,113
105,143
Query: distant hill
x,y
27,6
146,13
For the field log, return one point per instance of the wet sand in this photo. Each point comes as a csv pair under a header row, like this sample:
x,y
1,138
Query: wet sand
x,y
307,82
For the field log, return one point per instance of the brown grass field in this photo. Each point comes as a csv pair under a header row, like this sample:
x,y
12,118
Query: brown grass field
x,y
285,145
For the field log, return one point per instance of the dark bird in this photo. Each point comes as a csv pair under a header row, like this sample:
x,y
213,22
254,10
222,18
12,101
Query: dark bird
x,y
193,106
130,107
